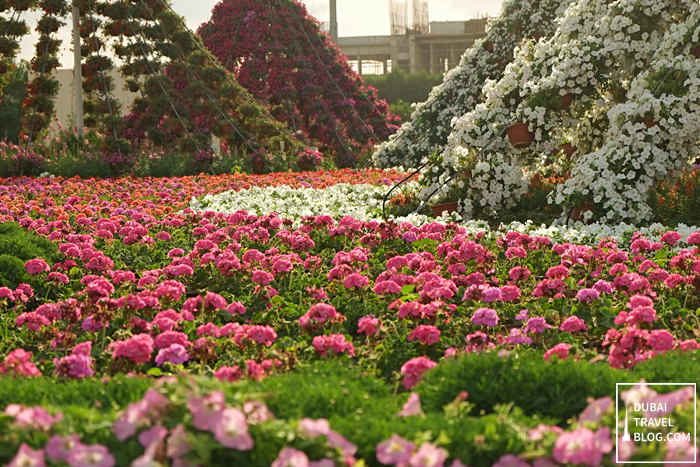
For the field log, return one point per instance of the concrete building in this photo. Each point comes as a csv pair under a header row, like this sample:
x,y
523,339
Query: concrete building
x,y
435,52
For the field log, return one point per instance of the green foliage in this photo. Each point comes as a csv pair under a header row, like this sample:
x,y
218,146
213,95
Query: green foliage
x,y
11,103
399,86
402,109
16,248
558,390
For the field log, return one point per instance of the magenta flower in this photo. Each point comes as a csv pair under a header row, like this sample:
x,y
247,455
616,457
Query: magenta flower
x,y
334,342
661,340
205,411
37,266
94,455
290,457
355,280
368,325
137,349
573,324
155,434
517,337
485,317
27,457
231,430
411,407
262,277
394,450
536,325
228,374
414,369
386,287
560,350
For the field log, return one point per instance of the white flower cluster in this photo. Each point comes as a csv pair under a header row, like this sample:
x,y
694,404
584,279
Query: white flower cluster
x,y
361,201
461,89
601,50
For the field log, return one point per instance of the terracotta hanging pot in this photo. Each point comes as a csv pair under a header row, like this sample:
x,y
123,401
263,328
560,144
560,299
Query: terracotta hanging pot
x,y
439,208
537,37
304,165
3,67
489,46
577,211
649,122
519,135
565,102
226,129
569,149
695,51
259,168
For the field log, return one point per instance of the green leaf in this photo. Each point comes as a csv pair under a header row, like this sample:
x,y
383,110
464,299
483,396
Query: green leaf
x,y
154,372
407,289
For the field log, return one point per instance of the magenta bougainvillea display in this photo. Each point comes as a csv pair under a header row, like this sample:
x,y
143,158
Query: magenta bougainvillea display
x,y
277,51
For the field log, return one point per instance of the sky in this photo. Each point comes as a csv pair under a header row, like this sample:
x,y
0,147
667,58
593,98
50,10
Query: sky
x,y
355,18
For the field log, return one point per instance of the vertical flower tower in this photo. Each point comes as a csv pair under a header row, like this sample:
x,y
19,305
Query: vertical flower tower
x,y
612,94
277,51
186,96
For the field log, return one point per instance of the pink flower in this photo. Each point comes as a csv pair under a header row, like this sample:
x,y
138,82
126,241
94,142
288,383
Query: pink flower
x,y
177,444
679,451
262,277
394,450
386,287
37,266
355,280
27,457
426,334
411,407
485,317
137,349
76,365
321,312
671,237
414,369
368,325
560,350
661,340
236,307
491,294
155,434
228,374
36,418
231,430
582,446
573,324
536,325
596,409
263,335
290,457
334,342
206,410
19,363
175,353
588,295
257,412
428,455
59,447
314,428
671,400
94,455
694,238
509,460
517,337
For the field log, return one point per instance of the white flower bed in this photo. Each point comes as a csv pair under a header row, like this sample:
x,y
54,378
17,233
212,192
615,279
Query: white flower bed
x,y
363,202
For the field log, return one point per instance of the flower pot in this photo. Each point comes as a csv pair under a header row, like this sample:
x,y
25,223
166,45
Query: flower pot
x,y
569,149
439,208
619,95
134,86
304,165
489,46
648,121
518,27
535,182
3,67
259,168
519,135
226,129
695,51
565,102
537,37
114,30
577,211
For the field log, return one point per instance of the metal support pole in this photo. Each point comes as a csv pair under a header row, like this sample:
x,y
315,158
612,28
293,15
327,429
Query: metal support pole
x,y
334,22
77,72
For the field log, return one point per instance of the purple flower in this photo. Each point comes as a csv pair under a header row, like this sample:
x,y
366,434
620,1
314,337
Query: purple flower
x,y
175,353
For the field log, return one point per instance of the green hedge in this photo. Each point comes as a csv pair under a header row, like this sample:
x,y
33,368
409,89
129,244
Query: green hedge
x,y
16,248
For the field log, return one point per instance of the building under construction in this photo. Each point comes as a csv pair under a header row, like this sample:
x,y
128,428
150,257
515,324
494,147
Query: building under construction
x,y
415,43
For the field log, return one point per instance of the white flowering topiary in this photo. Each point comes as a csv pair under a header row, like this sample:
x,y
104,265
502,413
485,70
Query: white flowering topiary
x,y
609,56
431,120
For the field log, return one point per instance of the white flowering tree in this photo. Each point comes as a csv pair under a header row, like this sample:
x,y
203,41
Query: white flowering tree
x,y
461,88
630,70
